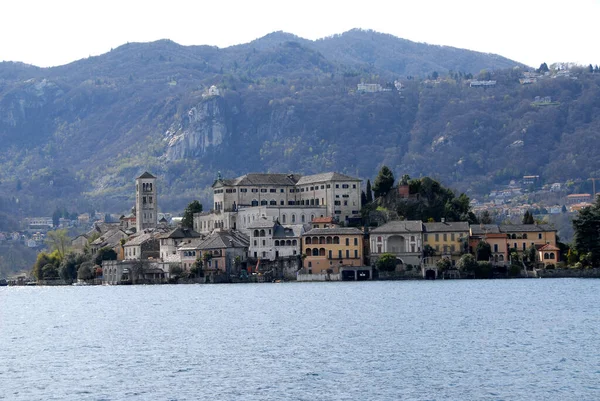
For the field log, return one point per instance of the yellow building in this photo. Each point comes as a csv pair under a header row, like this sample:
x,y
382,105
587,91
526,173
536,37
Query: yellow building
x,y
523,236
449,240
332,248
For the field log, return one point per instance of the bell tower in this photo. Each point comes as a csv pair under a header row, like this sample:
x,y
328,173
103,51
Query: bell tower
x,y
146,209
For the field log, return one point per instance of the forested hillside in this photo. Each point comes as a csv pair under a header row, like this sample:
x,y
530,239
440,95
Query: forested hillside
x,y
76,136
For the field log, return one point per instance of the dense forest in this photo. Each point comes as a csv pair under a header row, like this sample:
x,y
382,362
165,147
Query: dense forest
x,y
76,136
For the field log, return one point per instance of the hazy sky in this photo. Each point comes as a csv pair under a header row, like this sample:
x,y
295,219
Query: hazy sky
x,y
55,32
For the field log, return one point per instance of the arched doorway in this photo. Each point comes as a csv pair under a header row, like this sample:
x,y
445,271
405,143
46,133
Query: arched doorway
x,y
429,274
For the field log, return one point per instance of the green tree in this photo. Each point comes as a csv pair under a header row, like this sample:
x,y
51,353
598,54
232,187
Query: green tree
x,y
531,254
58,241
383,182
49,271
528,218
363,198
443,265
188,214
486,218
103,254
42,260
587,232
467,263
428,251
85,271
483,251
543,68
386,262
68,267
369,192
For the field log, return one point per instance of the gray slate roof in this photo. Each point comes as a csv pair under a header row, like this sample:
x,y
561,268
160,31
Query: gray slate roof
x,y
288,231
146,175
110,238
446,227
181,232
481,229
219,240
332,176
406,226
262,179
140,239
334,231
258,179
519,228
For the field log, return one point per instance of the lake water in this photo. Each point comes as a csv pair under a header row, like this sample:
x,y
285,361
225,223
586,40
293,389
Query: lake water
x,y
413,340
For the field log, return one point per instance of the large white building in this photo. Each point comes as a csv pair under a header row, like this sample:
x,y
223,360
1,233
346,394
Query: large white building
x,y
287,198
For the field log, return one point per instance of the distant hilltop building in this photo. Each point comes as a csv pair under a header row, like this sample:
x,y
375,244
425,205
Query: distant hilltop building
x,y
212,91
474,83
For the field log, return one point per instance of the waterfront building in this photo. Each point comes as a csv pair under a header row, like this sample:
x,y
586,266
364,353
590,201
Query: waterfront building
x,y
491,234
448,239
329,249
223,251
404,239
169,242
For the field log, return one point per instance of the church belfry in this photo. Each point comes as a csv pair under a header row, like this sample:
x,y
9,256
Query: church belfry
x,y
145,202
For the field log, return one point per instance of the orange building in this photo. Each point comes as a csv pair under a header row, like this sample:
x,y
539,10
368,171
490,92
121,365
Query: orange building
x,y
332,248
491,234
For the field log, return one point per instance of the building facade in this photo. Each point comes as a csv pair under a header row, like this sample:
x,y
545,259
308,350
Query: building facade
x,y
331,249
146,202
404,239
449,240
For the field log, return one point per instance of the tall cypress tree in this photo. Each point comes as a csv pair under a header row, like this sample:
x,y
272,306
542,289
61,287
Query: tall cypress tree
x,y
369,192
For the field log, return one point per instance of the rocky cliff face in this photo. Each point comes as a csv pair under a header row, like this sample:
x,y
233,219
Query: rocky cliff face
x,y
205,126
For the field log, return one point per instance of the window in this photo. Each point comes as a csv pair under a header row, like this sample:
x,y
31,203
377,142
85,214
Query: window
x,y
282,202
281,190
347,241
283,219
452,237
425,237
272,190
312,188
353,186
495,247
539,235
255,243
356,254
293,218
329,256
355,241
263,190
345,203
437,237
322,186
264,243
328,185
337,203
340,254
345,186
337,185
254,202
524,246
291,203
273,202
254,189
243,189
302,218
452,248
263,202
445,237
347,254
